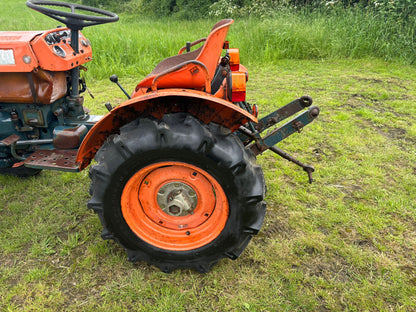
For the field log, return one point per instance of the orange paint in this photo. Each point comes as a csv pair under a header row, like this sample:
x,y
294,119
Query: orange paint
x,y
30,50
190,76
203,106
18,44
234,59
179,233
48,58
238,93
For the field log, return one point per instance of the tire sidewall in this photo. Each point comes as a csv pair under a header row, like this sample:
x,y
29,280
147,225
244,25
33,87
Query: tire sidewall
x,y
117,224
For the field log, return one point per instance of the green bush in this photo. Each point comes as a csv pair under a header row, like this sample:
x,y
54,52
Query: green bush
x,y
397,11
235,8
115,5
187,9
157,7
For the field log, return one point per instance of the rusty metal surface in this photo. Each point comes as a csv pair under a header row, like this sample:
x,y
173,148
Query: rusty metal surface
x,y
261,144
10,139
69,138
53,159
258,144
279,115
205,107
284,112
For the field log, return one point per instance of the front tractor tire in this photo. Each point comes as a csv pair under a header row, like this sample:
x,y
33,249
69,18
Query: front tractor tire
x,y
177,193
21,171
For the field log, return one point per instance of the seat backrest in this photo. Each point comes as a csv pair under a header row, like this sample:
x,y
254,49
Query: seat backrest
x,y
211,50
182,77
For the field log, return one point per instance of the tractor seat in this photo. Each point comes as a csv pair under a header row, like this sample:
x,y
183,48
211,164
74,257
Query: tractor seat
x,y
192,70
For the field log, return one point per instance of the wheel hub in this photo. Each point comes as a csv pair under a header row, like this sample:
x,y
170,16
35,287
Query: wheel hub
x,y
174,206
177,199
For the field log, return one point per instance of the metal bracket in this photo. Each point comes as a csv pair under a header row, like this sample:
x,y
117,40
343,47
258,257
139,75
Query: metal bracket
x,y
281,114
258,144
284,112
63,160
295,125
11,139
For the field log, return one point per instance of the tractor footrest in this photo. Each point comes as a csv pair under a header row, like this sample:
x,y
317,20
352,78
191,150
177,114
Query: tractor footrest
x,y
64,160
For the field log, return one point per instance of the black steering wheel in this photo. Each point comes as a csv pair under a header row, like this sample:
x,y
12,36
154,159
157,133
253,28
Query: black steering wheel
x,y
71,19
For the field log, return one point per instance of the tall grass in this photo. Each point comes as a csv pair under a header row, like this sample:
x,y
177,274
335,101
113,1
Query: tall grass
x,y
134,45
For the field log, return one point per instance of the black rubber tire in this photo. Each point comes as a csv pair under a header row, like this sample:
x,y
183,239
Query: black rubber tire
x,y
22,171
179,137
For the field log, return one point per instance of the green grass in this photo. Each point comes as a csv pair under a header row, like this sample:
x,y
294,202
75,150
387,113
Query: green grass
x,y
135,44
346,34
345,242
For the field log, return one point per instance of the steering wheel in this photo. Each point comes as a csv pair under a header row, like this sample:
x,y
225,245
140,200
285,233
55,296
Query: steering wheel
x,y
71,19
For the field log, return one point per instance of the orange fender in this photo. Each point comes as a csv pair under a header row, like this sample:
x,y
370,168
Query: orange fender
x,y
203,106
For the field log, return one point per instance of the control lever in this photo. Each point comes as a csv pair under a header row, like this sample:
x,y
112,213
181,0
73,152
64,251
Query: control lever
x,y
114,79
108,106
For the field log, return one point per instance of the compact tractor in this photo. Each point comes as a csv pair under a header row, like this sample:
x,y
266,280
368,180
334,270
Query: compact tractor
x,y
175,181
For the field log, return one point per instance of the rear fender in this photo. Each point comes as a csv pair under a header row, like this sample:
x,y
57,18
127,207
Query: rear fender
x,y
155,104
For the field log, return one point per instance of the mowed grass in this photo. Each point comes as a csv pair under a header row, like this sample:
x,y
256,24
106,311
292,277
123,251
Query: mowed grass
x,y
346,242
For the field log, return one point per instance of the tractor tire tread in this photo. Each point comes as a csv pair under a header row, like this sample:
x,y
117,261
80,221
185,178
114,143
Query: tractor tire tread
x,y
180,132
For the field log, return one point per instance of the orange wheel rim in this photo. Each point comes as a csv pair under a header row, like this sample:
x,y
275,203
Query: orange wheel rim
x,y
174,206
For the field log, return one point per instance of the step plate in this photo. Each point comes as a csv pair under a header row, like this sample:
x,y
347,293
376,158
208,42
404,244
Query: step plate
x,y
53,159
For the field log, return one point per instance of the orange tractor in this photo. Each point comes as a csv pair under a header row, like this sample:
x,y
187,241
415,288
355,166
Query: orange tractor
x,y
175,183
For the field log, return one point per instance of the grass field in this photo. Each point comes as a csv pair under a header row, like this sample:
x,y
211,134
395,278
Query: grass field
x,y
345,243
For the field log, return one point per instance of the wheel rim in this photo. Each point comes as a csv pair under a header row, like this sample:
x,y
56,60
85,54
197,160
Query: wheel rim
x,y
174,206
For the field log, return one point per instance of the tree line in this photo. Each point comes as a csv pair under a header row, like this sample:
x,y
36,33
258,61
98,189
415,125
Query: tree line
x,y
397,10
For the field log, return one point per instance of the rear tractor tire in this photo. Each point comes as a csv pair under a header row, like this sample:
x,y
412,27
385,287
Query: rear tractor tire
x,y
177,193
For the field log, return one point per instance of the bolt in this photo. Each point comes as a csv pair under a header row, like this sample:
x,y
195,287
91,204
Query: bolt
x,y
174,209
314,111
